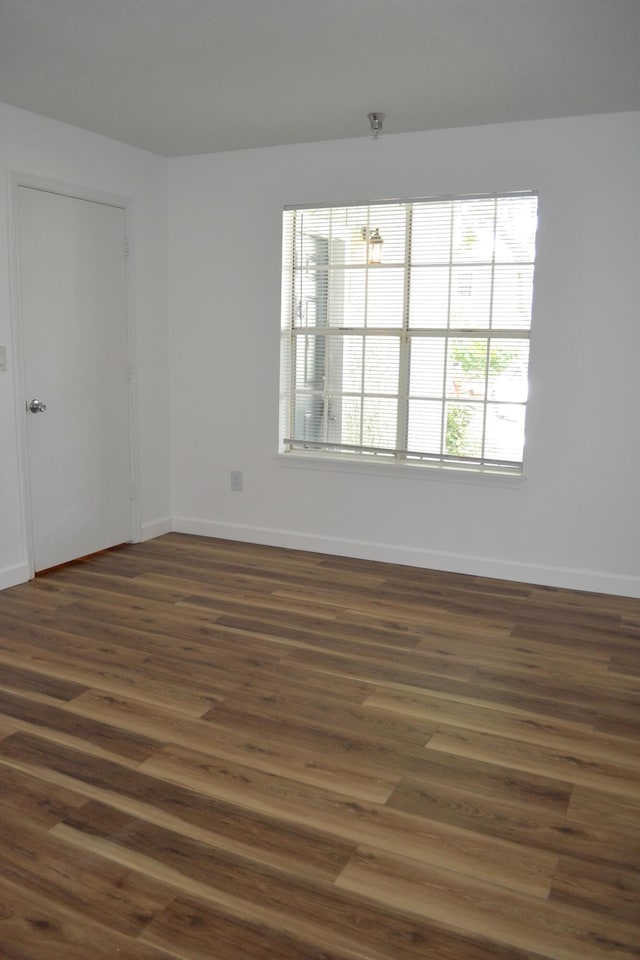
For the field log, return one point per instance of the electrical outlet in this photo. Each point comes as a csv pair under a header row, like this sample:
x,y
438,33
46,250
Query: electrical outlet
x,y
236,481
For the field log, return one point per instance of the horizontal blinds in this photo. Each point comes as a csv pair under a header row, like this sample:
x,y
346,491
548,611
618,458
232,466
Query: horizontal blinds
x,y
405,328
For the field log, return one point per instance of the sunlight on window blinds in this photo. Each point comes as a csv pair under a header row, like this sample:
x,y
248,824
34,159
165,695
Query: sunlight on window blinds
x,y
405,330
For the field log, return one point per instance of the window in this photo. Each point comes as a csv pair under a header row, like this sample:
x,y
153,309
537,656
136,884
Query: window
x,y
405,330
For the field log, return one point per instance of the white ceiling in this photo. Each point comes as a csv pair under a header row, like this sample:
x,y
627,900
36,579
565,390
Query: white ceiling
x,y
181,77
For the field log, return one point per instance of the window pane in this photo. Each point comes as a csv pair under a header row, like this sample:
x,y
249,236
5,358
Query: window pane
x,y
425,426
473,230
505,432
309,362
311,226
379,422
516,220
512,293
470,296
311,297
426,367
352,363
431,232
347,246
309,416
429,297
385,297
381,365
464,429
351,421
508,364
467,368
390,222
347,299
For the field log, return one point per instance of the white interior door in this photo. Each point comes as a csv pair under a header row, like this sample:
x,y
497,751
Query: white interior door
x,y
73,311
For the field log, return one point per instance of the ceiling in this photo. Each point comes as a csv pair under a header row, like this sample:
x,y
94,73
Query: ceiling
x,y
181,77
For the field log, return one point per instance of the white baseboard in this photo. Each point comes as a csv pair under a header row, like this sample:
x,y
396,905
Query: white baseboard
x,y
573,579
155,528
12,576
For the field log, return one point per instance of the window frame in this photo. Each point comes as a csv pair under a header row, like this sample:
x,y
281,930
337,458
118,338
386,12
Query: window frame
x,y
294,445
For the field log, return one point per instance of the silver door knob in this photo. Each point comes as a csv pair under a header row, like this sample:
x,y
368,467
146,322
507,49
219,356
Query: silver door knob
x,y
37,406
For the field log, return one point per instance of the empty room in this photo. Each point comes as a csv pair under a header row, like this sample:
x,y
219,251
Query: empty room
x,y
319,525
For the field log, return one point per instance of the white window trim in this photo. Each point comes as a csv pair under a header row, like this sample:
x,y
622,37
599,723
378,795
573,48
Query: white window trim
x,y
399,461
427,472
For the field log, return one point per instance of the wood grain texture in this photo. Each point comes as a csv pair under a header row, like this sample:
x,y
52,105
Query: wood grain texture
x,y
221,751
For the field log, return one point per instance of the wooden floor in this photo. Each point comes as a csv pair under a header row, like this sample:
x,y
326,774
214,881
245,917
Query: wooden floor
x,y
218,751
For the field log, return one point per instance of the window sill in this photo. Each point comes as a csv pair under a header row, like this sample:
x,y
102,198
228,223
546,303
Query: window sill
x,y
444,473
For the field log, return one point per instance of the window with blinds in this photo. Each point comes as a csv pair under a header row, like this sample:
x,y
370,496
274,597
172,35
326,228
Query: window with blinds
x,y
405,330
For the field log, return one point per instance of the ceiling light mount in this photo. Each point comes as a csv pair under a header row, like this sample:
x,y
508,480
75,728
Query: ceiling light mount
x,y
375,122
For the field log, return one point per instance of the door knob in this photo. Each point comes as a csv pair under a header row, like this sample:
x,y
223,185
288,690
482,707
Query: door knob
x,y
37,406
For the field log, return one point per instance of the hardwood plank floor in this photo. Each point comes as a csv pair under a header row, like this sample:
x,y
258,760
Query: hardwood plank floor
x,y
221,751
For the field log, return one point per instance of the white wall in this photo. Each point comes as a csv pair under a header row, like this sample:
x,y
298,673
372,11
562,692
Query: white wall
x,y
574,519
33,145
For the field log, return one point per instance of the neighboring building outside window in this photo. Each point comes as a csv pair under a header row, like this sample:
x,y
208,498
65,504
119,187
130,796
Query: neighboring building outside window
x,y
405,330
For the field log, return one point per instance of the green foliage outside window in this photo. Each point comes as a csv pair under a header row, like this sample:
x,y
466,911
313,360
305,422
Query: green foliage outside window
x,y
470,356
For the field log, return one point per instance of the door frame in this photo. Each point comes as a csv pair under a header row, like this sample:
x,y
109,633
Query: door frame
x,y
16,180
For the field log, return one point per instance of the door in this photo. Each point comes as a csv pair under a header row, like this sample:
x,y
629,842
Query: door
x,y
71,255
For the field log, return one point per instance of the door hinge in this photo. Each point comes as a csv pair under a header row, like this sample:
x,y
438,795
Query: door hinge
x,y
128,373
132,492
127,248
